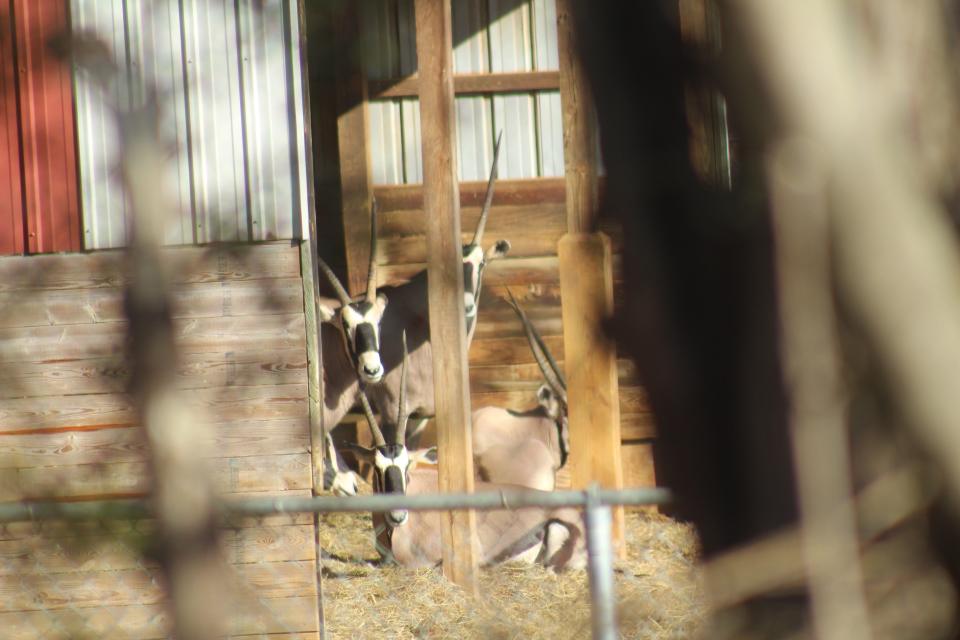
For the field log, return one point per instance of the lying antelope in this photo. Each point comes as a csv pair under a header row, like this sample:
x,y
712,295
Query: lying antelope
x,y
525,448
383,324
554,537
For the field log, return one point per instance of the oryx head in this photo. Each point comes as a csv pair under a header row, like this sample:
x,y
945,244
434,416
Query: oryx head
x,y
360,320
391,461
474,257
552,396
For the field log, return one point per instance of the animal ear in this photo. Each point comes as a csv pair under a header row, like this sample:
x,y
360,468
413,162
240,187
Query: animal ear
x,y
544,394
327,313
362,452
426,456
381,302
499,250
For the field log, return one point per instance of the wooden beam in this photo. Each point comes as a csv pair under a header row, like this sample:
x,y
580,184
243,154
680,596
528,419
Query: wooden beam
x,y
706,108
579,129
592,386
586,282
353,123
486,83
447,327
394,197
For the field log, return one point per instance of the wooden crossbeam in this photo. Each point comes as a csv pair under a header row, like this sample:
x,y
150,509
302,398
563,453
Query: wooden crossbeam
x,y
466,83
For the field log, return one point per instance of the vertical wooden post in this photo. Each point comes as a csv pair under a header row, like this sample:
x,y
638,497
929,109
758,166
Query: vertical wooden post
x,y
586,288
309,271
441,204
353,123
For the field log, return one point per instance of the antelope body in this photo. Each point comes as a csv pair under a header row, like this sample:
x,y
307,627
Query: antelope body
x,y
525,448
553,537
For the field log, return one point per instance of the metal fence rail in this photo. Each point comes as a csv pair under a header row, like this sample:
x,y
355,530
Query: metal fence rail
x,y
515,499
596,503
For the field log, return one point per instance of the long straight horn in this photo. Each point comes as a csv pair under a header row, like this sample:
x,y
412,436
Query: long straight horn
x,y
372,268
548,366
332,277
402,415
378,439
488,198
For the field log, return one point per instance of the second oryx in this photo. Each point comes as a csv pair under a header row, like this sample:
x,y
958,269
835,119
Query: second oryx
x,y
554,537
526,448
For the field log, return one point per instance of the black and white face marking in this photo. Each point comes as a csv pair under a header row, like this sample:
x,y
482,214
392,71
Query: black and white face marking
x,y
361,323
391,465
337,477
474,261
557,412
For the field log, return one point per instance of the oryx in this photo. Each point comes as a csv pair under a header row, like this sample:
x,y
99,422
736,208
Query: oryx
x,y
554,537
407,311
525,448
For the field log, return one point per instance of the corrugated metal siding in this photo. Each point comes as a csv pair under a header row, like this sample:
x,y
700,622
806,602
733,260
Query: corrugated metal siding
x,y
227,74
489,36
45,96
11,195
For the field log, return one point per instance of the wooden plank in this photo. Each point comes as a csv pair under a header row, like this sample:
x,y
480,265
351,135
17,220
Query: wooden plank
x,y
192,264
111,374
592,389
465,83
441,198
636,427
137,586
541,303
632,399
127,444
146,622
532,191
136,529
353,125
533,230
514,350
638,469
204,300
194,335
129,479
99,549
508,271
507,377
109,409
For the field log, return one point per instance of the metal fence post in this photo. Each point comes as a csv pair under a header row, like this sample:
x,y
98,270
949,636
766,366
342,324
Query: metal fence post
x,y
599,524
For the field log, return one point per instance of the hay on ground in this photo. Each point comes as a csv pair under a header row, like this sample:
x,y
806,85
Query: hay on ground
x,y
658,590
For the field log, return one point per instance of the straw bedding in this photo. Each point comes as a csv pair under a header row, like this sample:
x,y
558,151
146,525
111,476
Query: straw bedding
x,y
659,594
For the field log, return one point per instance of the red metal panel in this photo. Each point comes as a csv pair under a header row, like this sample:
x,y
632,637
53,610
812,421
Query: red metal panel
x,y
47,129
11,196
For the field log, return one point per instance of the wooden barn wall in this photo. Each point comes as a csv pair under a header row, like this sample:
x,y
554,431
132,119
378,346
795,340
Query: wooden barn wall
x,y
228,79
532,215
68,431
